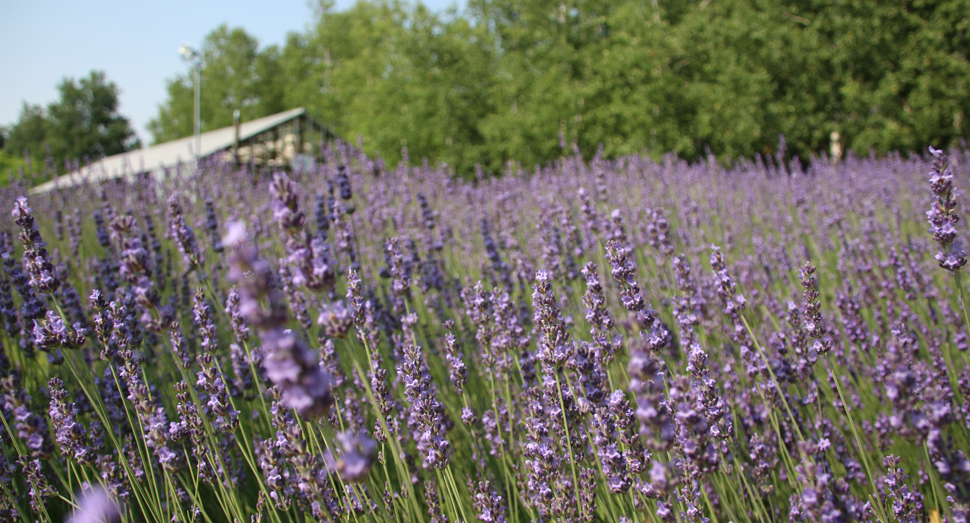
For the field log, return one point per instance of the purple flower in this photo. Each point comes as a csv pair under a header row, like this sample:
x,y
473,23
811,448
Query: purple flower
x,y
286,208
907,502
554,346
457,372
183,234
288,362
336,319
292,366
357,456
426,414
53,332
239,327
68,432
31,428
488,503
942,216
599,317
35,258
96,505
40,489
212,225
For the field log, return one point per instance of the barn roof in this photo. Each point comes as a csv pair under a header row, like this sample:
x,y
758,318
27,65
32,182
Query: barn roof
x,y
172,155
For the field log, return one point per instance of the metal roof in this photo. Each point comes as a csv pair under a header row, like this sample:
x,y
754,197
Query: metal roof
x,y
169,155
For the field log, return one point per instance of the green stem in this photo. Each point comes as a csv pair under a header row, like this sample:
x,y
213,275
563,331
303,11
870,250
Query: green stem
x,y
569,445
404,476
938,493
858,442
966,318
774,380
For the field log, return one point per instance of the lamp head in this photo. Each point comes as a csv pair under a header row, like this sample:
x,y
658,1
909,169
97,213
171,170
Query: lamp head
x,y
187,52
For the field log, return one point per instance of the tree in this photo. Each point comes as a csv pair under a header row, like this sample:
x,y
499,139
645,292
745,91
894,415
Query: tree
x,y
29,135
502,80
83,124
398,75
547,49
235,75
901,71
9,163
351,70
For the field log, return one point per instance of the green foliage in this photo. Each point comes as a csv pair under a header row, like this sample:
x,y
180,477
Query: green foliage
x,y
29,135
900,72
502,80
83,124
235,75
398,78
9,166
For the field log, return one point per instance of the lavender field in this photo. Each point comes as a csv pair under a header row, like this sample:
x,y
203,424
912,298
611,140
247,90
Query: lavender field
x,y
589,341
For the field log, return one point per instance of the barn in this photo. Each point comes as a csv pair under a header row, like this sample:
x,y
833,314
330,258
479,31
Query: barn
x,y
280,141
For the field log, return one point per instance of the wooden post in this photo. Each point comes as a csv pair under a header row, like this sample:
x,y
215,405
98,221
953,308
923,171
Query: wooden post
x,y
252,157
235,142
312,145
297,142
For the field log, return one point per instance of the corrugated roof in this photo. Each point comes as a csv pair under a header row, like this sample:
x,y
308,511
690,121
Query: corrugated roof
x,y
168,155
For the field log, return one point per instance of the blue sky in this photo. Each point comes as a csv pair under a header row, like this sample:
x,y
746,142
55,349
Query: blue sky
x,y
135,42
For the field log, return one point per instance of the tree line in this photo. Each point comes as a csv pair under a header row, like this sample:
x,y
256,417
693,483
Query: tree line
x,y
82,125
520,79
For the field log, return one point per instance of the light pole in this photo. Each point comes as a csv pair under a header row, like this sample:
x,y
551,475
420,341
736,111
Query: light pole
x,y
193,56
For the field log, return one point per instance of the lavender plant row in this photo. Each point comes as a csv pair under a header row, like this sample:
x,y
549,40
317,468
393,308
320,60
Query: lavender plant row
x,y
590,341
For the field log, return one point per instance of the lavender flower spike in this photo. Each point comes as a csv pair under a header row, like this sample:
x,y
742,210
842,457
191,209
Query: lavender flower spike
x,y
941,215
336,319
36,259
357,459
288,362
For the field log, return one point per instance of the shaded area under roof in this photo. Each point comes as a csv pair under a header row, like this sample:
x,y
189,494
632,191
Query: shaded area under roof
x,y
173,155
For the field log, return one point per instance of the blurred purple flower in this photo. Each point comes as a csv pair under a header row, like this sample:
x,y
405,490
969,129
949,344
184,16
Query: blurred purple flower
x,y
96,505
